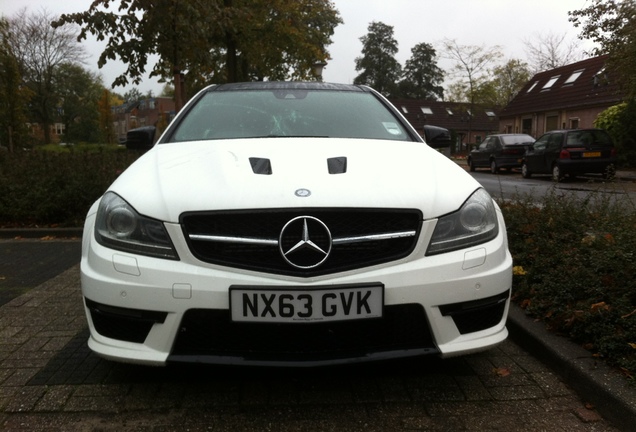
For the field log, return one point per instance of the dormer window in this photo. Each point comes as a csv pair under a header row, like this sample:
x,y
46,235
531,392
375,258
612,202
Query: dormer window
x,y
449,111
404,110
532,86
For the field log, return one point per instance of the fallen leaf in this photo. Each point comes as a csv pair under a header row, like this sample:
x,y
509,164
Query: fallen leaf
x,y
502,372
599,306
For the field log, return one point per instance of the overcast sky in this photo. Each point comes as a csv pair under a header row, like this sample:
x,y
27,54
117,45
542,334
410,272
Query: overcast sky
x,y
470,22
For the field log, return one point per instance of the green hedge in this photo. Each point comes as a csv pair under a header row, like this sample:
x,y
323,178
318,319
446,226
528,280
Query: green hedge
x,y
575,269
47,188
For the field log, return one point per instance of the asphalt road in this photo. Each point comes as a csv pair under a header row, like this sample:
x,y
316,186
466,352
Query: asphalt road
x,y
49,379
508,185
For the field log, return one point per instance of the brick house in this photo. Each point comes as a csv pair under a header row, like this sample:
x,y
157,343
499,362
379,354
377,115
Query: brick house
x,y
567,97
467,125
146,112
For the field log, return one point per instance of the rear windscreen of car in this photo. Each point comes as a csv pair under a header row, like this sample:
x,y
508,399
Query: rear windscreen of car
x,y
517,139
588,138
288,113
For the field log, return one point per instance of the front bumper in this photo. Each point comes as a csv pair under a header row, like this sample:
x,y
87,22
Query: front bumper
x,y
152,311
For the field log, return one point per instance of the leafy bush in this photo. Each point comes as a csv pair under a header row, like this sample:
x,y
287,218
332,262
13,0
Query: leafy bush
x,y
44,188
575,269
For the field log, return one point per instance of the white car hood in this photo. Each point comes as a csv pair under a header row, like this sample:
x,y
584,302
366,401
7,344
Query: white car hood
x,y
217,175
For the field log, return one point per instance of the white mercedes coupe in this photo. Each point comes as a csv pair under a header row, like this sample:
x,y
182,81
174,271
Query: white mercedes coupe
x,y
292,224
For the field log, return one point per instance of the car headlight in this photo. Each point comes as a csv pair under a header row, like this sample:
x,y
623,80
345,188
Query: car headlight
x,y
474,223
119,226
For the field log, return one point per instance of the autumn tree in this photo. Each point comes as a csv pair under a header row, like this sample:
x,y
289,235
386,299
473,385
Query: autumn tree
x,y
503,84
470,69
213,40
470,64
551,50
78,91
611,24
39,50
422,77
105,117
377,66
14,96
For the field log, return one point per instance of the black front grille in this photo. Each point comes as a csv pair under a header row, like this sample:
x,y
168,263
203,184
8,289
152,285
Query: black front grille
x,y
210,334
267,225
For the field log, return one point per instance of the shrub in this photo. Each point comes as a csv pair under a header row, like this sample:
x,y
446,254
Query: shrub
x,y
574,269
44,188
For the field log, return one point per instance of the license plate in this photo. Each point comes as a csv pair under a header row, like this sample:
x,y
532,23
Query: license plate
x,y
298,305
592,154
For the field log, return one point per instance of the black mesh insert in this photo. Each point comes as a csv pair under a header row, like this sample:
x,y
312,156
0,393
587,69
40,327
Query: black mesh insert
x,y
131,325
342,223
477,315
207,332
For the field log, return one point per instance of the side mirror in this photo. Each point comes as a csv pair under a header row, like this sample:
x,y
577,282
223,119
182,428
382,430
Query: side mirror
x,y
437,137
142,138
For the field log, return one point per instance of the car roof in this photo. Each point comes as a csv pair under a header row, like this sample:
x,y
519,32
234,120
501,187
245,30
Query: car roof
x,y
571,130
510,134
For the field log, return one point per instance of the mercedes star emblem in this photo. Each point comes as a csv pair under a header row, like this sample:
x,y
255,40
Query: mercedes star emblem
x,y
302,193
305,242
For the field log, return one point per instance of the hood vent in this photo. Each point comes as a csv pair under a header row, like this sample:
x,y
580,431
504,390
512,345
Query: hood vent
x,y
337,165
261,166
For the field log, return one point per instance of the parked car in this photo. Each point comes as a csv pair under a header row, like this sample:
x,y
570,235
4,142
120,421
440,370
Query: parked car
x,y
571,152
499,151
292,224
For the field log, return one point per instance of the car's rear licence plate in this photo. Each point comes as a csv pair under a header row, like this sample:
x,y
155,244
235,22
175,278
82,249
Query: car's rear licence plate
x,y
592,154
259,304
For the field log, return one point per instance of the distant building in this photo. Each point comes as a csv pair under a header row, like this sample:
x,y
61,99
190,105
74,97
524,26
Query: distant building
x,y
468,125
146,112
567,97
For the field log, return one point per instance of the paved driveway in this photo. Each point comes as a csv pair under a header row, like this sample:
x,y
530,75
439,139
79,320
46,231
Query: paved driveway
x,y
50,381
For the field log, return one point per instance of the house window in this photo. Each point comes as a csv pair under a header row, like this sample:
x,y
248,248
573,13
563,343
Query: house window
x,y
573,77
58,128
550,82
574,123
426,110
551,122
526,126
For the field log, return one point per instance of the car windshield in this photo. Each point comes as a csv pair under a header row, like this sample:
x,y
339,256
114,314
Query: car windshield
x,y
290,112
517,139
586,138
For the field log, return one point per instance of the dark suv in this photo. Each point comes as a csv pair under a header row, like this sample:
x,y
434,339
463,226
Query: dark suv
x,y
499,151
570,152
